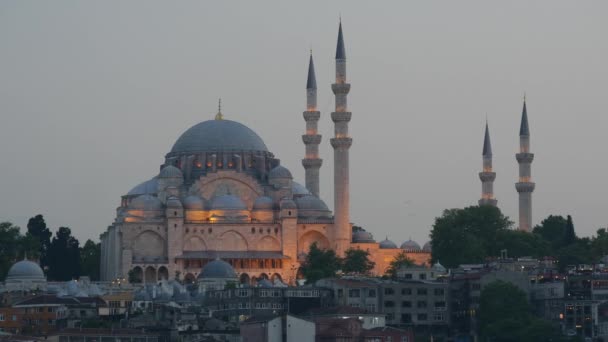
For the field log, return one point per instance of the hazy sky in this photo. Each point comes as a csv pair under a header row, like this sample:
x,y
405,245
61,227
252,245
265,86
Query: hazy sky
x,y
94,94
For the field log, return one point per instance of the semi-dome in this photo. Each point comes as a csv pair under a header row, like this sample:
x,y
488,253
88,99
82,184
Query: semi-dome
x,y
263,203
279,172
174,203
227,202
194,202
311,202
170,171
25,270
146,202
148,187
298,189
428,247
410,245
217,269
362,236
287,203
218,135
387,244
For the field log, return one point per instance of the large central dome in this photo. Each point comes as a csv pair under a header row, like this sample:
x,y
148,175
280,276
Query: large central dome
x,y
219,135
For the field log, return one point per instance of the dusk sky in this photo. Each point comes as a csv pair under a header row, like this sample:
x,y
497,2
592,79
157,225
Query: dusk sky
x,y
94,94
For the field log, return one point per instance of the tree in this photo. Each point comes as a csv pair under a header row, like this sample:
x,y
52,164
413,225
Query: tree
x,y
400,260
599,244
467,235
518,243
37,230
9,238
320,264
552,230
569,234
357,261
64,256
90,257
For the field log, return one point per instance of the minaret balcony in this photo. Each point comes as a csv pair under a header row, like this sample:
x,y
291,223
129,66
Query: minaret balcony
x,y
338,143
312,115
487,176
340,88
312,163
525,186
341,116
524,157
313,139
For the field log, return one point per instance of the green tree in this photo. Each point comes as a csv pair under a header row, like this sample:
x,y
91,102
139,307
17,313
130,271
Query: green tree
x,y
90,257
320,264
569,234
599,244
400,260
552,230
467,235
37,230
357,261
9,245
64,256
579,252
518,243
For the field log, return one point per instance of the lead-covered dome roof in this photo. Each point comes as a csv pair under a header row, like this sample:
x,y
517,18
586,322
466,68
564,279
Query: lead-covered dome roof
x,y
25,270
219,135
217,269
263,203
228,202
170,171
146,202
362,236
194,202
387,244
410,245
148,187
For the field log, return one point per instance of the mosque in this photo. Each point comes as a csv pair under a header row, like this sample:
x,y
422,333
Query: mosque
x,y
221,194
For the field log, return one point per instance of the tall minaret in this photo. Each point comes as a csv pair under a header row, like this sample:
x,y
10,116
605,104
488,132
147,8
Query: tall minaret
x,y
311,162
341,144
487,176
525,187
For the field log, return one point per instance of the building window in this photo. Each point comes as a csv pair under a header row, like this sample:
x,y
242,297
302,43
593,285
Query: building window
x,y
406,304
389,304
406,318
406,292
354,293
340,293
439,305
407,276
439,292
371,307
252,230
422,317
421,304
1,317
476,286
389,291
421,292
372,293
438,317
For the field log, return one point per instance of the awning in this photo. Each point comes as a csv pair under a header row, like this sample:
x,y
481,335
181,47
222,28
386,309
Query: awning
x,y
232,255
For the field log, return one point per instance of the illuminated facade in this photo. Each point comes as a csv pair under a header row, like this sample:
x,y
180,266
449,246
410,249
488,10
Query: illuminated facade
x,y
221,193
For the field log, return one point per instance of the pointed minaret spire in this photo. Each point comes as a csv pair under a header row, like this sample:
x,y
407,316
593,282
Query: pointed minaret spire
x,y
487,176
341,143
525,186
219,115
311,162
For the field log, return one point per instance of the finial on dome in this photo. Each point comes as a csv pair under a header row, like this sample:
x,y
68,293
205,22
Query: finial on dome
x,y
219,115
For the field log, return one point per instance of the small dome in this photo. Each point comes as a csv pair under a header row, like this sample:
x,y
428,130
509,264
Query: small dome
x,y
387,244
362,236
148,187
170,171
217,269
298,189
194,202
439,267
265,283
428,247
227,202
263,203
311,202
279,172
174,203
25,270
286,203
410,245
146,202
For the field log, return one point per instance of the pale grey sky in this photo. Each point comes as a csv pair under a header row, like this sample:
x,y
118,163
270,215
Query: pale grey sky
x,y
93,94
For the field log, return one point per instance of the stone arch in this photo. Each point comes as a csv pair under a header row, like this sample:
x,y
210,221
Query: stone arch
x,y
222,182
244,279
195,243
189,278
148,245
150,275
263,276
232,241
276,277
163,273
269,243
311,237
138,274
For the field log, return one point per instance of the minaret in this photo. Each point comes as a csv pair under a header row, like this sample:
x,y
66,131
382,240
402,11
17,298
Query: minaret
x,y
487,176
311,162
525,187
341,144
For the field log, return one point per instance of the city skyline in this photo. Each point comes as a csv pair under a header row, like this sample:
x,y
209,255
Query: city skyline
x,y
88,120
